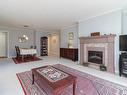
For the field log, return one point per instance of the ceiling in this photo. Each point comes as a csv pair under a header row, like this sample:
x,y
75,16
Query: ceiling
x,y
52,14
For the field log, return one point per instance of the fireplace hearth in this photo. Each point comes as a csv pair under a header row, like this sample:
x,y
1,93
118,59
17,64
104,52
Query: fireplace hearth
x,y
95,57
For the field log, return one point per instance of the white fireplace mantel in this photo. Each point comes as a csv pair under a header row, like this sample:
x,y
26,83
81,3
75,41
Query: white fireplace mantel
x,y
95,43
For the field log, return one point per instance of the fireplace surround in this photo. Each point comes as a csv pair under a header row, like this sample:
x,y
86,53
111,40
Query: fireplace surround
x,y
102,46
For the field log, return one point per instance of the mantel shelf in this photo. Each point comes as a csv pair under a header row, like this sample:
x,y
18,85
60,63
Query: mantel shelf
x,y
97,37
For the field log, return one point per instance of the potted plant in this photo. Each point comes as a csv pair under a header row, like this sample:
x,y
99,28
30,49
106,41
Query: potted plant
x,y
103,67
86,64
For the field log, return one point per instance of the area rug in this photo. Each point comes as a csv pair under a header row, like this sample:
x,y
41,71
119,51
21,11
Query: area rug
x,y
27,59
86,84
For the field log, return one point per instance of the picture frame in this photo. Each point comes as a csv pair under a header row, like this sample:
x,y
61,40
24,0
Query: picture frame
x,y
23,39
71,35
70,39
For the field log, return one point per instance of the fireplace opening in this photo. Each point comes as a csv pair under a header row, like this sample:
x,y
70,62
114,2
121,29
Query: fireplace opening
x,y
95,57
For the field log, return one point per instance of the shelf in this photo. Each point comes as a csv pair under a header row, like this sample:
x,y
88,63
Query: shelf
x,y
123,64
44,46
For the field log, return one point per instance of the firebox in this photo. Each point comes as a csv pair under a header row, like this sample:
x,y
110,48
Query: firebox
x,y
95,57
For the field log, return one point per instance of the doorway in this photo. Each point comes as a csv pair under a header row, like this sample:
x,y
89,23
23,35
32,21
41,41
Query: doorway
x,y
3,44
53,45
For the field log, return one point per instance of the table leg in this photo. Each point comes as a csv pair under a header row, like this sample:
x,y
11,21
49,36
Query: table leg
x,y
74,87
33,78
33,56
22,57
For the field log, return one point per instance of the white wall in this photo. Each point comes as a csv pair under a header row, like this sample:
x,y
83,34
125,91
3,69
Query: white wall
x,y
13,34
124,24
124,20
105,24
13,40
42,33
64,36
34,38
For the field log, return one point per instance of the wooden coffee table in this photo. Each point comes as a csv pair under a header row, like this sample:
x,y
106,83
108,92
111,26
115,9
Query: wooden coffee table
x,y
53,88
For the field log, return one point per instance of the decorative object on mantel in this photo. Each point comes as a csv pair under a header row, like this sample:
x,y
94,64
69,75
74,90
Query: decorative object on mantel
x,y
23,38
95,34
103,67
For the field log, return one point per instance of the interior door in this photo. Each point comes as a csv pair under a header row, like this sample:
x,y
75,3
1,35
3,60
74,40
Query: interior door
x,y
3,44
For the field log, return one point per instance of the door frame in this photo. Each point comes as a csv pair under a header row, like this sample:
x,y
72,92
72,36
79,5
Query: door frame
x,y
7,42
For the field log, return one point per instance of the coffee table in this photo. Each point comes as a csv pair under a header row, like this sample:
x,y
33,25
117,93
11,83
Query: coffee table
x,y
55,86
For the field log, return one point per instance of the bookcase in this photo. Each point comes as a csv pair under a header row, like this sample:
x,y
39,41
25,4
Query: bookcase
x,y
44,46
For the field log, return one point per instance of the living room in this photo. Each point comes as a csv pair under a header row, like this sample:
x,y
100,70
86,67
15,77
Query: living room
x,y
105,23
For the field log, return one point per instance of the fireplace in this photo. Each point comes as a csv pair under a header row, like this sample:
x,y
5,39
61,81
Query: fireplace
x,y
98,50
95,57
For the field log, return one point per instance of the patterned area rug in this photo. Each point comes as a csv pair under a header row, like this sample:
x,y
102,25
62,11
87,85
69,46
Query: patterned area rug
x,y
27,59
86,84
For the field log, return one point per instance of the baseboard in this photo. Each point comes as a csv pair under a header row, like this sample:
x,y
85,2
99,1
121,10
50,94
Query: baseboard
x,y
116,72
11,56
3,57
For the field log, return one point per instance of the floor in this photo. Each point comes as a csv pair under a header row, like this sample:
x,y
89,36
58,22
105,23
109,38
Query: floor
x,y
9,84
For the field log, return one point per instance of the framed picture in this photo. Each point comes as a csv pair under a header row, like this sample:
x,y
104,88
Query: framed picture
x,y
23,39
71,36
70,39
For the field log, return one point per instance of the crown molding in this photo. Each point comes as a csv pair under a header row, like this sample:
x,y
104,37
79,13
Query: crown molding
x,y
71,26
101,14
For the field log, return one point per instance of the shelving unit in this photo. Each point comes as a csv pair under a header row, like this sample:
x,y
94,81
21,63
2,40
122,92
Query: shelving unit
x,y
123,64
44,46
